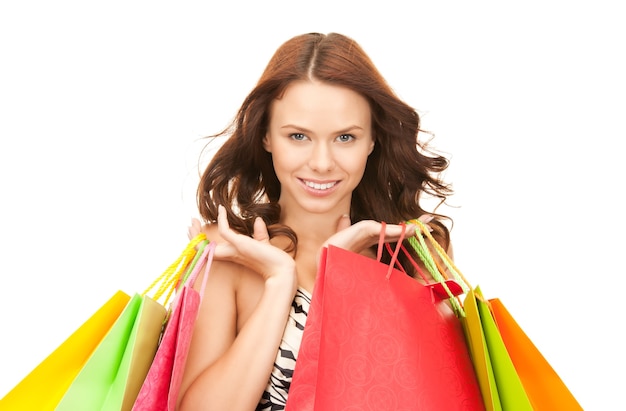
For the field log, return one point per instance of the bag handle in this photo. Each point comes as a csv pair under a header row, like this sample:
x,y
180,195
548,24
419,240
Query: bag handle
x,y
439,273
206,260
168,280
394,254
443,255
442,288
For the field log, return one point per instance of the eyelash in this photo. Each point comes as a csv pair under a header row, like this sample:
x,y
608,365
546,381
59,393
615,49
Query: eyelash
x,y
350,136
297,136
300,136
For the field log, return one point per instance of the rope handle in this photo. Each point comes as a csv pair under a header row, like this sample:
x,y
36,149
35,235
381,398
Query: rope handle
x,y
168,280
200,248
444,289
439,273
202,260
452,268
394,254
206,259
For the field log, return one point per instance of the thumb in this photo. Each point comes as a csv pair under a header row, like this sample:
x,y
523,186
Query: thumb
x,y
194,229
344,222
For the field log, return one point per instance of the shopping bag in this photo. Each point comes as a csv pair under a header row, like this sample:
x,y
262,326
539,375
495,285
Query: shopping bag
x,y
113,374
512,372
162,384
500,383
45,385
376,338
544,387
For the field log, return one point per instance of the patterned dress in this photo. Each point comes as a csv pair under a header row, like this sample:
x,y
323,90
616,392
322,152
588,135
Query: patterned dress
x,y
275,395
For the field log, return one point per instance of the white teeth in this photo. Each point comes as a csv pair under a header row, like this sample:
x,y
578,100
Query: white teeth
x,y
318,186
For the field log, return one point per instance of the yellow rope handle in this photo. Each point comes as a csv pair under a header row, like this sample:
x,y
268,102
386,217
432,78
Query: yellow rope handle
x,y
451,266
170,277
443,255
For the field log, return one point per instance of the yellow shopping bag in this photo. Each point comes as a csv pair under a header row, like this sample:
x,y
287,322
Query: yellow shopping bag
x,y
45,385
86,360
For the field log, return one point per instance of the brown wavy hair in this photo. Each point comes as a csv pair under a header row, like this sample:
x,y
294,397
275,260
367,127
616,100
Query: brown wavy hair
x,y
399,171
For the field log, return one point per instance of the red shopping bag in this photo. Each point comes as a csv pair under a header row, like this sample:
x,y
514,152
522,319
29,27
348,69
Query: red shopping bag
x,y
162,384
376,338
511,371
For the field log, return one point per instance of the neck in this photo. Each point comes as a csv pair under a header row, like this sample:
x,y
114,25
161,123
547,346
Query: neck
x,y
313,227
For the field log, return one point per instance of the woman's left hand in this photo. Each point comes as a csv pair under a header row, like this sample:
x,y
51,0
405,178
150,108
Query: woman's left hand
x,y
364,234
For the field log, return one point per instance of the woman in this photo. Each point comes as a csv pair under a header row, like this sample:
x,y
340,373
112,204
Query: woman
x,y
320,152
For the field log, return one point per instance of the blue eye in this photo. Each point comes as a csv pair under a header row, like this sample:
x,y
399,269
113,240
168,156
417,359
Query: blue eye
x,y
297,136
344,138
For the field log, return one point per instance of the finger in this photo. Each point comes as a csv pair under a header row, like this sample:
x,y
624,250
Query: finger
x,y
260,230
194,229
224,251
393,232
222,223
426,218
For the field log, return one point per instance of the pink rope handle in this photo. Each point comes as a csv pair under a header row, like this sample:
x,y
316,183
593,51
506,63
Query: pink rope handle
x,y
394,255
207,269
381,241
206,260
411,260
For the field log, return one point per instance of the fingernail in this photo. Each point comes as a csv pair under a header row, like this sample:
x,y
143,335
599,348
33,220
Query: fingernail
x,y
426,218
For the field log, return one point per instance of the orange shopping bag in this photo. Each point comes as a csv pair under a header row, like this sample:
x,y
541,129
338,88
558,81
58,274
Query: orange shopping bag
x,y
544,387
511,370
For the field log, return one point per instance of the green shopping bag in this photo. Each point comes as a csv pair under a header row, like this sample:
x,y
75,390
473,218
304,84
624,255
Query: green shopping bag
x,y
137,358
511,371
89,389
113,375
500,383
479,352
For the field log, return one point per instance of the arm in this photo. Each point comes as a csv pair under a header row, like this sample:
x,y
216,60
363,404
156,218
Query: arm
x,y
227,368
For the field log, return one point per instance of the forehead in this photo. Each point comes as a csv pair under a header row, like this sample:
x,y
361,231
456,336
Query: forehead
x,y
309,103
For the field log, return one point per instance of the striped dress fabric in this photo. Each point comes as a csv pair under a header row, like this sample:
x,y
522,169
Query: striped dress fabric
x,y
275,395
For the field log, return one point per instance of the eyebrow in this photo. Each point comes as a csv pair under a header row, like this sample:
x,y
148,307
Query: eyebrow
x,y
306,130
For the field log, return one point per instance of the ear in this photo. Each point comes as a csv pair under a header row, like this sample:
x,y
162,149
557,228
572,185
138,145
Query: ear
x,y
372,144
266,144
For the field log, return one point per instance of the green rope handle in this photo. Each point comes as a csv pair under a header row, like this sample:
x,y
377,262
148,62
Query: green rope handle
x,y
418,242
454,270
200,250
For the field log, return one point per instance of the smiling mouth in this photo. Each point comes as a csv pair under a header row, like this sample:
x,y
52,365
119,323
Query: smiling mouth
x,y
318,186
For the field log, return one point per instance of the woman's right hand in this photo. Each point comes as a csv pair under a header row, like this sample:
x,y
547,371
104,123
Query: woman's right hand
x,y
255,253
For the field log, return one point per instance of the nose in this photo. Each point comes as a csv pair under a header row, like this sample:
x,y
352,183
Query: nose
x,y
321,158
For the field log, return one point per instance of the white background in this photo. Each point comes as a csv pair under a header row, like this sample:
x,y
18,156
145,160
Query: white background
x,y
102,105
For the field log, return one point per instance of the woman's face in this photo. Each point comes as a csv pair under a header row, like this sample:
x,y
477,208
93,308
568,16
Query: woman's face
x,y
320,136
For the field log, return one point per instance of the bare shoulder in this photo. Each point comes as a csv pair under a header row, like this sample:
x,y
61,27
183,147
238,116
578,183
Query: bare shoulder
x,y
211,232
231,286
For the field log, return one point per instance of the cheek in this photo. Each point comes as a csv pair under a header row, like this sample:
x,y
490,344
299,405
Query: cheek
x,y
354,164
284,163
361,159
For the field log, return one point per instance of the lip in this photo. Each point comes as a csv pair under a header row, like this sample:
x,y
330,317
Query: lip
x,y
319,192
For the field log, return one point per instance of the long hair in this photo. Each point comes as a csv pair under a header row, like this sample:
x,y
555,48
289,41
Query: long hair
x,y
398,173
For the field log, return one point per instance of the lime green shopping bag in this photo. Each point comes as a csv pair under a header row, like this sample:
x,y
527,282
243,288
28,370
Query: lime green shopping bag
x,y
112,377
500,383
